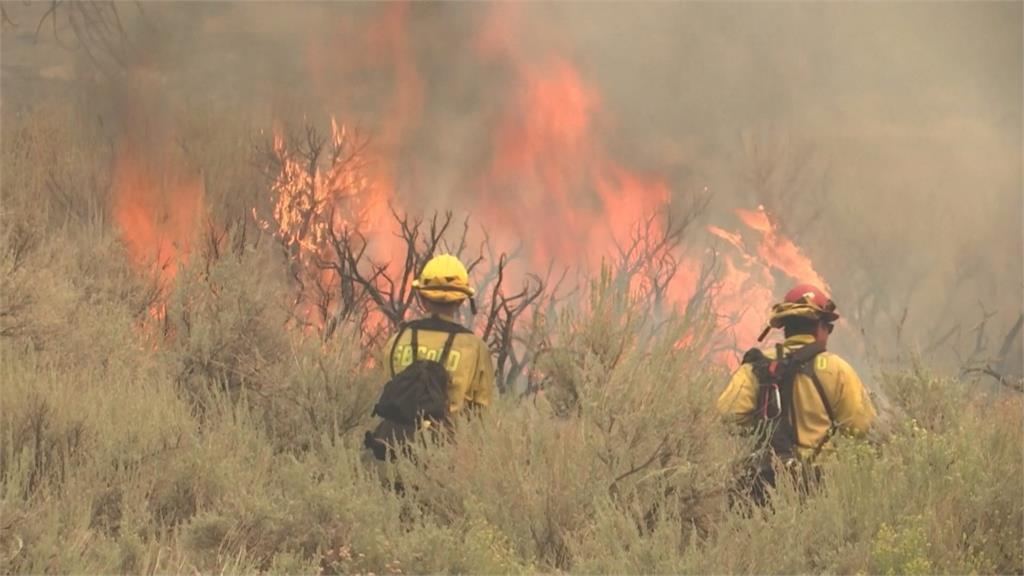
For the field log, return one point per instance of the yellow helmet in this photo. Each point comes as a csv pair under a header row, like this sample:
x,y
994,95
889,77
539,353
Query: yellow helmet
x,y
444,279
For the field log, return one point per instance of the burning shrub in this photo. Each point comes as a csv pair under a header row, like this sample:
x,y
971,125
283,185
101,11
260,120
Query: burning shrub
x,y
346,269
320,198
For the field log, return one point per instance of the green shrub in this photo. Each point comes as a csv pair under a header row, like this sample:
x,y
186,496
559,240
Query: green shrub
x,y
111,461
323,392
225,322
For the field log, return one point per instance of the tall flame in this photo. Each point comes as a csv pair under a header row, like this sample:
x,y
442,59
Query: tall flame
x,y
156,205
545,182
748,285
550,186
778,251
549,179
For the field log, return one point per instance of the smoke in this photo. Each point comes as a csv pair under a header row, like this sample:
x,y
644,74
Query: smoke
x,y
885,138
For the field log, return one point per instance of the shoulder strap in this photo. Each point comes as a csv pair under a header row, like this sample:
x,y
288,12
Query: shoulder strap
x,y
415,343
787,406
803,357
806,367
808,370
447,350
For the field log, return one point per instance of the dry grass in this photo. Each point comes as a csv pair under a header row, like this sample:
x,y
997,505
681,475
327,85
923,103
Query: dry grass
x,y
218,441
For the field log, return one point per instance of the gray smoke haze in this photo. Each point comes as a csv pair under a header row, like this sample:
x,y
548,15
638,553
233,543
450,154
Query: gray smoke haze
x,y
887,137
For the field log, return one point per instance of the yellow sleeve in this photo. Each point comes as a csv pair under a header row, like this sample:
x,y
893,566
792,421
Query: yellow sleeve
x,y
854,411
482,388
388,360
738,403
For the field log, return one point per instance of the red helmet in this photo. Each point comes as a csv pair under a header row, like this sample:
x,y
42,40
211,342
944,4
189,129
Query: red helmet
x,y
809,294
804,301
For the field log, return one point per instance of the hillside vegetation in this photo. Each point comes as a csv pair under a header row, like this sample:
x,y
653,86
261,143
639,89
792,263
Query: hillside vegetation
x,y
210,436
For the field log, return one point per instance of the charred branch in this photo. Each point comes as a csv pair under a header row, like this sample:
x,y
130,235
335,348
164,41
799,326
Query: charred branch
x,y
1010,338
499,327
6,20
649,261
96,28
978,362
1003,379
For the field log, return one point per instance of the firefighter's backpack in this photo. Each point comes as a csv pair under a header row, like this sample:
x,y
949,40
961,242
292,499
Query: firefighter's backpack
x,y
776,410
416,395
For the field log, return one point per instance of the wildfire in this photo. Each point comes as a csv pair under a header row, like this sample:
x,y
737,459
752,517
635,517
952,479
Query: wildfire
x,y
550,181
313,198
779,251
156,206
546,183
321,196
747,287
378,48
550,186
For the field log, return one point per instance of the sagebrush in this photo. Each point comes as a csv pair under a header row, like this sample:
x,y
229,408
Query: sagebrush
x,y
149,428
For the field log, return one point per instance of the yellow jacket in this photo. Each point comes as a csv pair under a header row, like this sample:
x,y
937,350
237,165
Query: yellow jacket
x,y
469,364
844,390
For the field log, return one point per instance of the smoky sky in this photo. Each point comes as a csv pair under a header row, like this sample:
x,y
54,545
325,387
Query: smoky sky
x,y
887,137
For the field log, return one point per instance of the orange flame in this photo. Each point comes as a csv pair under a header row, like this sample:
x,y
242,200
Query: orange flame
x,y
156,207
380,47
316,204
778,251
747,289
309,204
551,182
547,182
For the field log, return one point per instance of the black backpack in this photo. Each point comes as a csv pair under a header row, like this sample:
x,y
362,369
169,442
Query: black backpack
x,y
777,414
418,393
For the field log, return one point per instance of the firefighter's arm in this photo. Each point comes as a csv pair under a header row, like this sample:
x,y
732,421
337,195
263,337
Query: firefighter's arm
x,y
738,403
854,411
482,388
389,360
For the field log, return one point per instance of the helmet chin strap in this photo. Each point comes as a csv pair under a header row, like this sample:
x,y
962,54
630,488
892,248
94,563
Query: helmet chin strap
x,y
764,333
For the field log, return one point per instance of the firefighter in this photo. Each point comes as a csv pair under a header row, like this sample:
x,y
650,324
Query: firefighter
x,y
798,395
442,289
